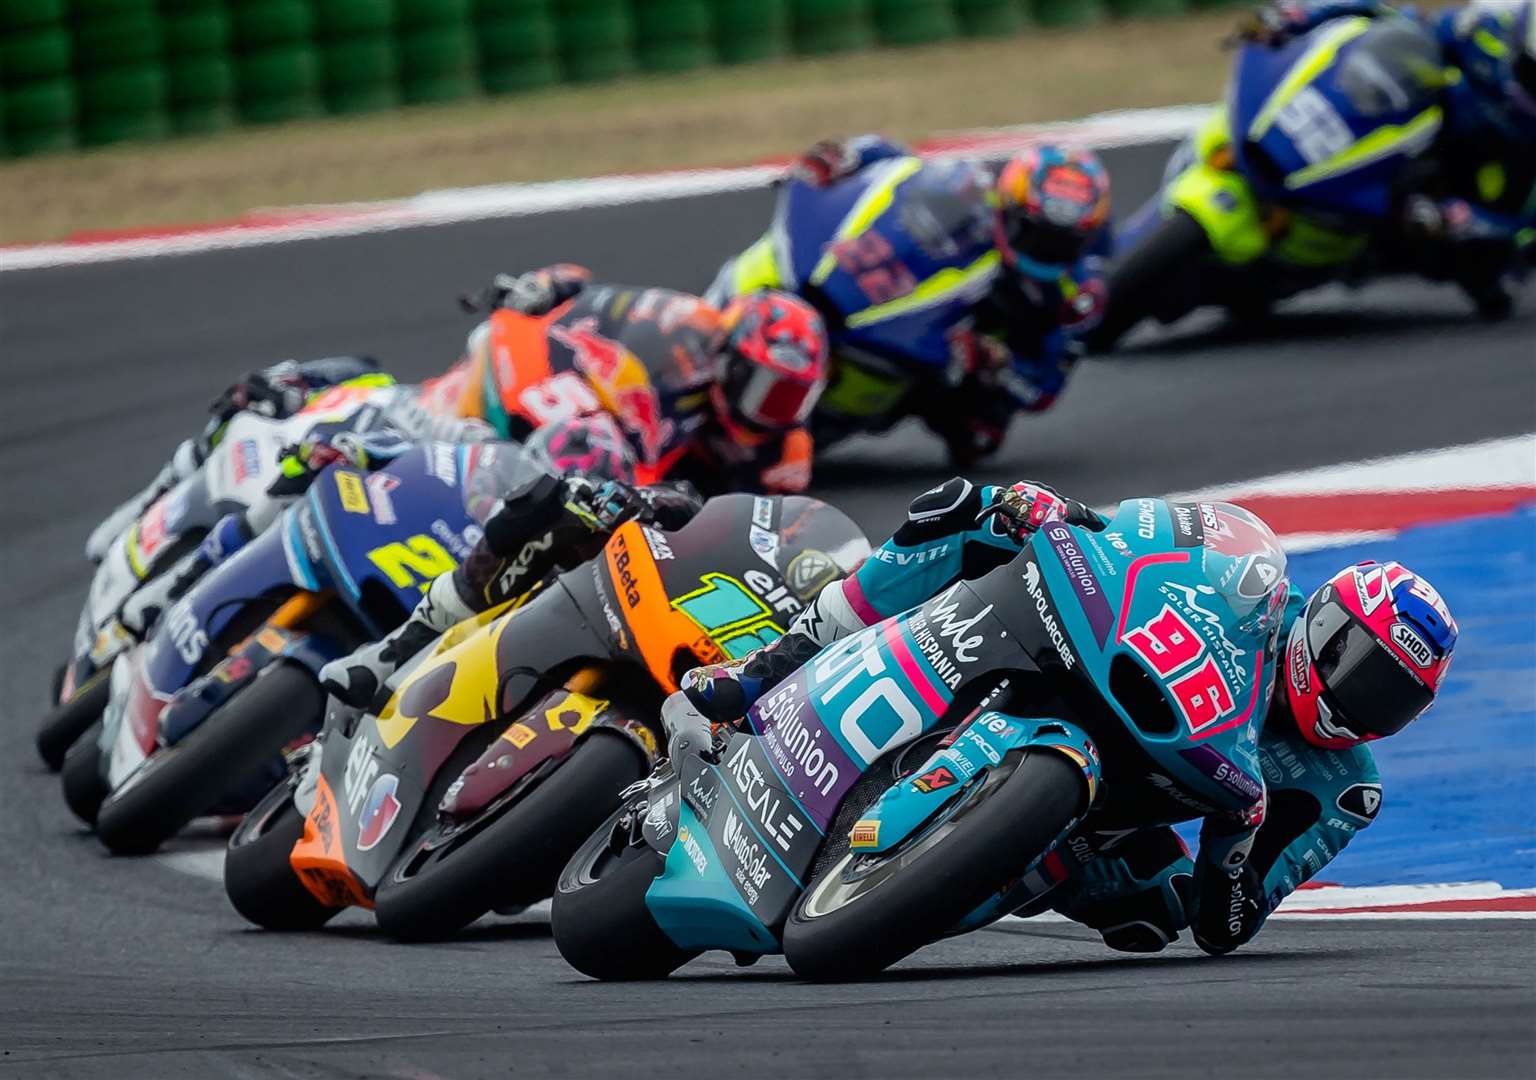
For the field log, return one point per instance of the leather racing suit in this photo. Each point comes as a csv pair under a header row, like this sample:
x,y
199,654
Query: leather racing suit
x,y
1022,344
645,355
1469,216
553,523
1138,889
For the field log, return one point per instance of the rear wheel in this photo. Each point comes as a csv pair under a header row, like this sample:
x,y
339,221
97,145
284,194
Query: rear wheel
x,y
1158,278
512,854
63,727
258,878
602,925
230,747
865,912
83,780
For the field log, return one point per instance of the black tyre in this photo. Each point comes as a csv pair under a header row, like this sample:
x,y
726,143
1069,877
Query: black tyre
x,y
861,914
258,878
230,747
83,779
1156,279
512,855
62,727
601,923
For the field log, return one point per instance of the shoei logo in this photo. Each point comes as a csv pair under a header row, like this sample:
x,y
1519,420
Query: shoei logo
x,y
1416,647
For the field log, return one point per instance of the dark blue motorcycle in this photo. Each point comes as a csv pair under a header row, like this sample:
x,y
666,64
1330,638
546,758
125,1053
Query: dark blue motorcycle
x,y
1288,184
200,714
894,258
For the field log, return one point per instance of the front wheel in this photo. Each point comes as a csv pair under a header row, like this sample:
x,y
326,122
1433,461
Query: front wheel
x,y
447,879
258,878
230,747
601,923
69,720
83,776
865,912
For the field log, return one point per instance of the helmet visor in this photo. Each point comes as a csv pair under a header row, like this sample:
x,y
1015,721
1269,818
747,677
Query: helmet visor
x,y
1052,245
1366,686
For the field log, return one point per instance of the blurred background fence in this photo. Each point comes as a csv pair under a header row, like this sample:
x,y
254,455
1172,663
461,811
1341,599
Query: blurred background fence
x,y
91,72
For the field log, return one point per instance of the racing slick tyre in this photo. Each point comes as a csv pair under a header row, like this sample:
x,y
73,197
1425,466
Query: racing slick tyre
x,y
864,912
230,747
601,923
510,854
258,878
63,727
1152,278
82,779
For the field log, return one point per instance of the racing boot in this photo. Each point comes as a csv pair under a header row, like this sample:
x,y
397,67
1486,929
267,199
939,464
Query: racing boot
x,y
359,679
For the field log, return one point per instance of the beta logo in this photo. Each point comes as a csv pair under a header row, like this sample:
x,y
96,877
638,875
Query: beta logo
x,y
379,812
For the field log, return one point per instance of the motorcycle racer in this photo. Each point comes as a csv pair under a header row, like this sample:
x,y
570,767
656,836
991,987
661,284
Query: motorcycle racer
x,y
1043,210
398,422
1469,218
276,392
1363,656
718,397
560,521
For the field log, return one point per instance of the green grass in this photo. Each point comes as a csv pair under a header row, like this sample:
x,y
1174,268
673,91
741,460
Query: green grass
x,y
719,116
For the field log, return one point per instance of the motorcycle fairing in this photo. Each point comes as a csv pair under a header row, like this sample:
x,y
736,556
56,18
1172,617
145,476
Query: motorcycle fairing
x,y
362,543
489,674
1207,579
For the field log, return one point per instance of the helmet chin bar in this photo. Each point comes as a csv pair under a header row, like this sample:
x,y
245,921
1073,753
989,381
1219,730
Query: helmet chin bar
x,y
1326,728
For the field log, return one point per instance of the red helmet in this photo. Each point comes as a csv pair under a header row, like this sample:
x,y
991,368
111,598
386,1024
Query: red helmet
x,y
1368,655
771,365
1049,203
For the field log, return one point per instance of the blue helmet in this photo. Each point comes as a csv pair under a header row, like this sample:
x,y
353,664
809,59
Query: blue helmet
x,y
1497,57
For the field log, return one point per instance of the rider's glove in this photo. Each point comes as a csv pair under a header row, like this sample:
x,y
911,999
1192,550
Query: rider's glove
x,y
670,506
1084,309
301,462
1019,511
601,507
537,292
825,163
278,392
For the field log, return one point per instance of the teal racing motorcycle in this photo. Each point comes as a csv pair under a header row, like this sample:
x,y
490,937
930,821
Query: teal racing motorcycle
x,y
920,778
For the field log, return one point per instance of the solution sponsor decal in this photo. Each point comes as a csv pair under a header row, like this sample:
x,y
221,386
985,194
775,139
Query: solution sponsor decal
x,y
1090,594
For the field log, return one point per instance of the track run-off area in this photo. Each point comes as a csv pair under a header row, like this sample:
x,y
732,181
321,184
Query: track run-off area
x,y
114,967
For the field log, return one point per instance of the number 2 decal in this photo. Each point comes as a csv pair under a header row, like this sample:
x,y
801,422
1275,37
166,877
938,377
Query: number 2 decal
x,y
415,561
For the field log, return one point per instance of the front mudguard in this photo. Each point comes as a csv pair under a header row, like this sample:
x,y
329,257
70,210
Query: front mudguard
x,y
904,809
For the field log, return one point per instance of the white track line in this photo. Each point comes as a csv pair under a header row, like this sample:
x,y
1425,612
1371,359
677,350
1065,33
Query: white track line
x,y
1104,130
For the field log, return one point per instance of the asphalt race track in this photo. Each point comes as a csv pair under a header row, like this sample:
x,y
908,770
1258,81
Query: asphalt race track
x,y
114,967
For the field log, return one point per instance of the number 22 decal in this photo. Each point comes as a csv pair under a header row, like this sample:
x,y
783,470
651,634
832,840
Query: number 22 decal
x,y
415,561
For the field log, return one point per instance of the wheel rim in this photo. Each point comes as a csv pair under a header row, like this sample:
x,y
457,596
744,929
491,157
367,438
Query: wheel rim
x,y
855,876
